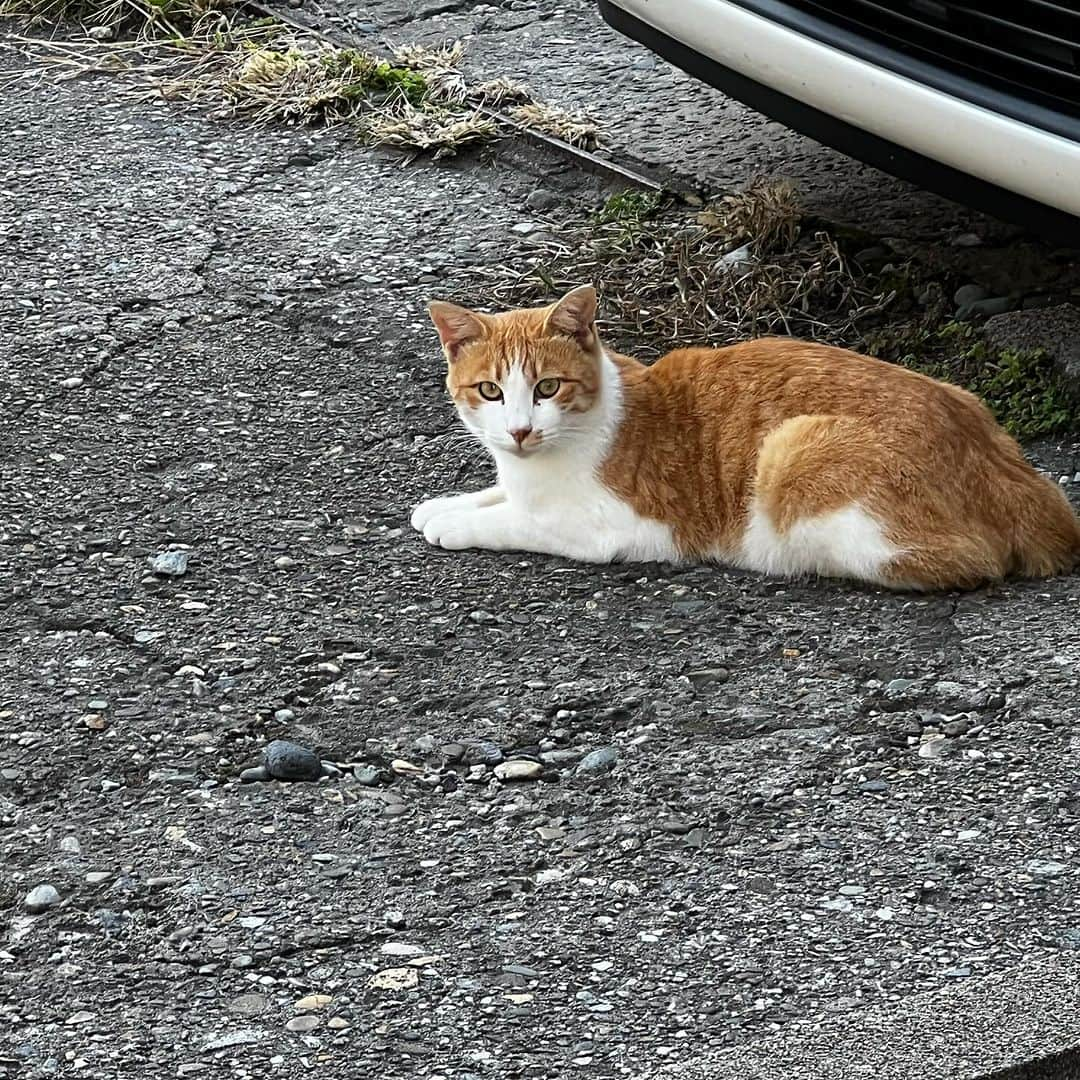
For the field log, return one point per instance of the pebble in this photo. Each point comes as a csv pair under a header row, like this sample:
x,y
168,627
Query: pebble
x,y
401,948
170,563
518,770
969,294
405,978
254,774
290,761
1046,868
313,1002
367,776
483,753
249,1004
96,877
871,786
70,845
852,890
708,676
337,1023
598,761
72,383
307,1022
41,899
283,562
395,919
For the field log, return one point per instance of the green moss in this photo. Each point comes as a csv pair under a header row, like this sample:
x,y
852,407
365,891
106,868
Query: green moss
x,y
629,208
1022,389
374,77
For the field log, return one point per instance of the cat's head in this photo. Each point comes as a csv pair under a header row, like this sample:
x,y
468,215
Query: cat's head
x,y
524,381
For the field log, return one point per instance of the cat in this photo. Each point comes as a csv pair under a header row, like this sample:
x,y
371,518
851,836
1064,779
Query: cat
x,y
774,455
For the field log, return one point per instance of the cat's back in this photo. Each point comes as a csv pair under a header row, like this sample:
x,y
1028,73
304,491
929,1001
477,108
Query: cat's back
x,y
781,377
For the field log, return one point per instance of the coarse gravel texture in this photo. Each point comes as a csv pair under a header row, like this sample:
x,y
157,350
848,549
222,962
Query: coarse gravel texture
x,y
214,341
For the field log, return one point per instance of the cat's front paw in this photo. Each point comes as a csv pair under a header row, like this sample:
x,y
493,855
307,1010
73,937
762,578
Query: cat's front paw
x,y
430,509
452,530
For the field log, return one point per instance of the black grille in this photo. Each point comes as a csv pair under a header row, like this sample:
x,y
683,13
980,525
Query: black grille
x,y
1029,49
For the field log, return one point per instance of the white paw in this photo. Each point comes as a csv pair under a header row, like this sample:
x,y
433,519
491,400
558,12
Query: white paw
x,y
430,509
456,530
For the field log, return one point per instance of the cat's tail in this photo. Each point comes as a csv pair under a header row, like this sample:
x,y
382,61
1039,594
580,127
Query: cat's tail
x,y
1045,528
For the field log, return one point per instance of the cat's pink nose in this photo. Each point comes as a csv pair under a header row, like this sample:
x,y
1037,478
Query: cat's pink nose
x,y
519,435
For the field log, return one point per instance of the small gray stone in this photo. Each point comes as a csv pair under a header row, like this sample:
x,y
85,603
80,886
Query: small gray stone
x,y
872,786
70,845
307,1022
170,564
41,899
992,305
598,761
255,773
1046,868
483,753
509,771
367,775
290,761
703,677
969,294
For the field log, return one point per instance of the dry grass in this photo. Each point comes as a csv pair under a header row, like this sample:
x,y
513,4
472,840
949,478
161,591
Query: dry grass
x,y
261,70
105,20
742,268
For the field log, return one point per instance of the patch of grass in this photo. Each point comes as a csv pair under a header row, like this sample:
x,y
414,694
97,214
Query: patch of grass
x,y
573,128
630,208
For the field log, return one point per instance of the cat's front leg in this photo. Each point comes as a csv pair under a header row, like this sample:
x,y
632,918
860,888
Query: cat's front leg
x,y
446,503
502,528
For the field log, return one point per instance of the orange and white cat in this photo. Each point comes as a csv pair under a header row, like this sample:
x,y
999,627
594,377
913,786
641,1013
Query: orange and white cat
x,y
774,455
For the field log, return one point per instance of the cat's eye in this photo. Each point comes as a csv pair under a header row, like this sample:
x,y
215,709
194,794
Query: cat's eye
x,y
490,391
547,388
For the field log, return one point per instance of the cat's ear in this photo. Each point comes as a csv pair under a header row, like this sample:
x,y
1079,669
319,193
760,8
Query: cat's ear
x,y
575,316
456,325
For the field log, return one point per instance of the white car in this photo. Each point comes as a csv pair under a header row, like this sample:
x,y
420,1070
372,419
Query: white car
x,y
978,101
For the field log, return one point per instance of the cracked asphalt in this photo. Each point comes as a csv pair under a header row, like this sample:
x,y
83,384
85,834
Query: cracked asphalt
x,y
813,799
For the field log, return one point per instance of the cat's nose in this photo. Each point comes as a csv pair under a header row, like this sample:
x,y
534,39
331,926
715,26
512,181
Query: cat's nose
x,y
519,435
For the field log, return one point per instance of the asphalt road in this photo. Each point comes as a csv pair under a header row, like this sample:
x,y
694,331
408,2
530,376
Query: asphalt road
x,y
213,340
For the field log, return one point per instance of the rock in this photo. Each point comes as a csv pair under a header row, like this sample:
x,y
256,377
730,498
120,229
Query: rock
x,y
43,898
70,845
254,774
405,978
452,752
401,948
406,768
703,677
313,1003
542,199
395,919
483,753
80,1017
249,1004
330,769
738,259
969,294
509,771
337,1023
523,228
308,1022
1045,868
96,877
170,564
231,1039
1054,330
286,760
598,761
852,890
284,562
992,305
873,786
965,240
367,775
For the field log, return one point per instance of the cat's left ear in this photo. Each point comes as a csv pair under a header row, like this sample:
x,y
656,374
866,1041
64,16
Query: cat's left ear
x,y
456,325
575,316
